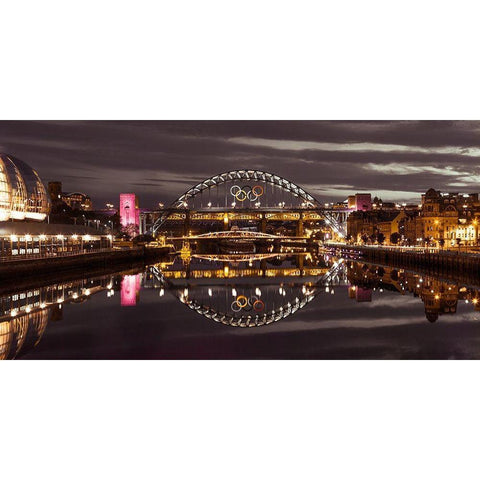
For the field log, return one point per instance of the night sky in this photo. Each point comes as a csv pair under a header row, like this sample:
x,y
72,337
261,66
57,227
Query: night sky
x,y
159,160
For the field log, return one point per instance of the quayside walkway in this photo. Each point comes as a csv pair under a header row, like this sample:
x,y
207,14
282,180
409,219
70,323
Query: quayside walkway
x,y
30,267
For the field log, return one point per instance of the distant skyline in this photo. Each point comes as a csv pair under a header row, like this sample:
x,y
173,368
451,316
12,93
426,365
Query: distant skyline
x,y
159,160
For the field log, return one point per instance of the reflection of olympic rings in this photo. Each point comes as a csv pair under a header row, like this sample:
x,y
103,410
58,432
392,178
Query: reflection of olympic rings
x,y
247,192
246,304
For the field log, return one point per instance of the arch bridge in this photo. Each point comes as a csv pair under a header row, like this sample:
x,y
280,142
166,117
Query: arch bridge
x,y
248,196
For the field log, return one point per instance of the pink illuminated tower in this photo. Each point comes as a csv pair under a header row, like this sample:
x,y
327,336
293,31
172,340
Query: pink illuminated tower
x,y
130,290
129,211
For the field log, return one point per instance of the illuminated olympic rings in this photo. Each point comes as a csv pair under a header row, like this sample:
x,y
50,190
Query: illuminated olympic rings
x,y
246,304
247,192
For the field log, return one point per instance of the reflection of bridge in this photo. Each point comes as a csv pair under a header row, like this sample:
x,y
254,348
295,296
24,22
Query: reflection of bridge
x,y
229,297
236,257
248,195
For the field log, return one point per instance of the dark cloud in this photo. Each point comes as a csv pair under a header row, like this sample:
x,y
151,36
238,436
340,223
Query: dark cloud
x,y
160,160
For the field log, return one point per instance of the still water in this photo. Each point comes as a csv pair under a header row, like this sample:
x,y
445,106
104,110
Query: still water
x,y
243,307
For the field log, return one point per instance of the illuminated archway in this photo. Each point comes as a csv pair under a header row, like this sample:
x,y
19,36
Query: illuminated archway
x,y
308,201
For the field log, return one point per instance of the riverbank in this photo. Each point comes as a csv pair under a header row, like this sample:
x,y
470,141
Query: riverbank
x,y
428,260
16,270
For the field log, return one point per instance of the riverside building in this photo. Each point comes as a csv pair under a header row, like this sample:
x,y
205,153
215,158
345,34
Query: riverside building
x,y
24,207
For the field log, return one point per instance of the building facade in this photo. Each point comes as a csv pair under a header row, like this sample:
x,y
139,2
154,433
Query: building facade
x,y
360,201
445,220
22,193
129,211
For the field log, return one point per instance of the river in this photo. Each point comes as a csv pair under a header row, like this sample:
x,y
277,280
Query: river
x,y
265,306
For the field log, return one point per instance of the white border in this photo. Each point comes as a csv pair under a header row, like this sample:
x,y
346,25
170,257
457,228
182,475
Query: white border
x,y
241,60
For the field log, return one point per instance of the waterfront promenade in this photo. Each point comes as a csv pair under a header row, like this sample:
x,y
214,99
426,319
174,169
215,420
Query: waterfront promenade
x,y
19,268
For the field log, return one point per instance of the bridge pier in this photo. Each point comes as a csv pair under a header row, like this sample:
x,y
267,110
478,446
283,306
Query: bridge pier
x,y
263,267
186,224
300,226
226,222
263,223
299,262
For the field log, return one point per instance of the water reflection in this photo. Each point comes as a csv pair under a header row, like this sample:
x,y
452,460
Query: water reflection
x,y
439,296
259,290
25,313
247,291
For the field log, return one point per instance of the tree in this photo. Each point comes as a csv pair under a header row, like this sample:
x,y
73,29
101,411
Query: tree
x,y
380,238
395,237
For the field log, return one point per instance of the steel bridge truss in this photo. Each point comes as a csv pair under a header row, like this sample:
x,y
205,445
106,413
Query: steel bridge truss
x,y
308,201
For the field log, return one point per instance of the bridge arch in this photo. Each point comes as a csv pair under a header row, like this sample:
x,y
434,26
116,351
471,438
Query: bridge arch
x,y
246,175
308,201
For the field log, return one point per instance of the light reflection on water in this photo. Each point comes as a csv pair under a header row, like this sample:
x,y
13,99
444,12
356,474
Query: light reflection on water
x,y
288,306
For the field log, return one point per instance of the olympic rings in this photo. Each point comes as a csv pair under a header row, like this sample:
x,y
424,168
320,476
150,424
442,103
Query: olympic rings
x,y
258,306
247,192
246,304
243,298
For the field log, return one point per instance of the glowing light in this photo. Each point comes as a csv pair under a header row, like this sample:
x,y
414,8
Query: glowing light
x,y
28,309
43,305
13,238
74,237
87,238
209,292
60,237
234,292
28,238
13,313
42,237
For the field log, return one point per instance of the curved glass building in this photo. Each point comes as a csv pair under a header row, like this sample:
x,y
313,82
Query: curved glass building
x,y
22,193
